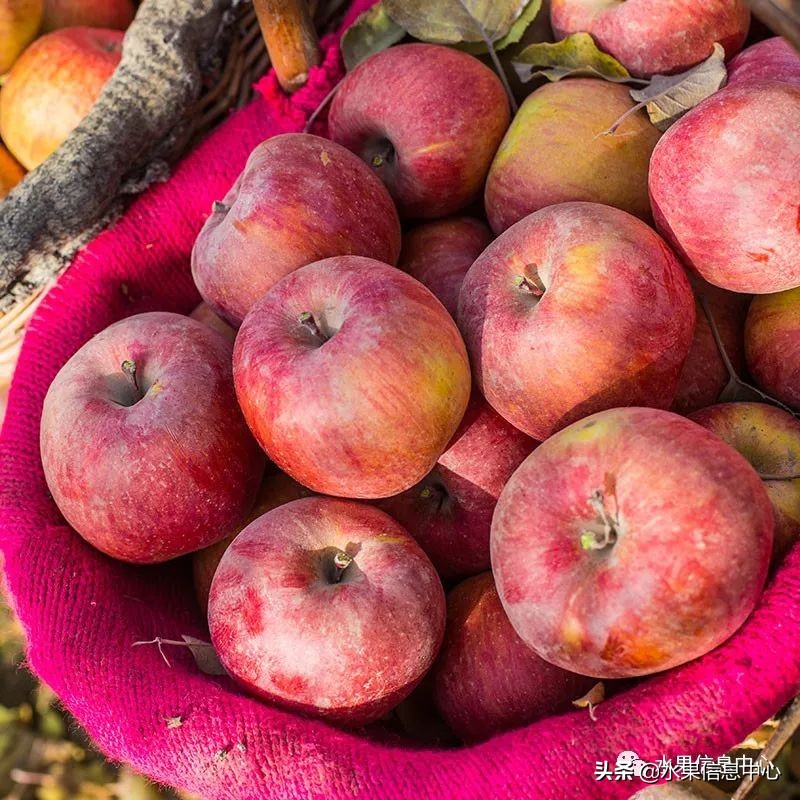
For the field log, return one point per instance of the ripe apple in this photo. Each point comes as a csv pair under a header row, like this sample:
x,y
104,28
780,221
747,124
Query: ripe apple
x,y
723,186
300,199
19,24
11,172
769,60
769,438
205,314
352,376
439,254
52,87
486,679
631,542
117,14
576,308
655,36
327,607
556,151
276,490
449,512
428,120
772,344
704,376
143,447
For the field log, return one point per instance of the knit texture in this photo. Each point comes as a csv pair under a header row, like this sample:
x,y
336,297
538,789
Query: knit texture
x,y
82,611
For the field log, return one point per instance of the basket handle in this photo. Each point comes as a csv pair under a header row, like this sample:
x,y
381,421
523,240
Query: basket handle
x,y
782,16
291,39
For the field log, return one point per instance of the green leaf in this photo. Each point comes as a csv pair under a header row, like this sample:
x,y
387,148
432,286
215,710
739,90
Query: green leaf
x,y
669,97
456,21
512,37
373,31
574,56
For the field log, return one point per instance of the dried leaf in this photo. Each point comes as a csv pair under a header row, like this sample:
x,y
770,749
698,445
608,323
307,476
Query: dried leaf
x,y
205,656
173,722
456,21
669,97
372,32
592,698
512,37
574,56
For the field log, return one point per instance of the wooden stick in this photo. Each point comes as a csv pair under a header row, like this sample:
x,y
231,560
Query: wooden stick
x,y
781,16
291,39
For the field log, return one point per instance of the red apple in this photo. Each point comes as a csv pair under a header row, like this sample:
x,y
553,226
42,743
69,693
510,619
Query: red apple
x,y
327,607
117,14
276,490
19,24
723,186
352,376
299,199
769,438
769,60
486,679
631,542
655,36
450,511
555,151
143,447
52,87
439,254
772,344
576,308
428,119
205,314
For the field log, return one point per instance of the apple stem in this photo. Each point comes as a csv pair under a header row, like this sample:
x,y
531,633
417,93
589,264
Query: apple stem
x,y
383,156
532,284
306,319
341,561
218,207
596,540
439,492
768,477
129,368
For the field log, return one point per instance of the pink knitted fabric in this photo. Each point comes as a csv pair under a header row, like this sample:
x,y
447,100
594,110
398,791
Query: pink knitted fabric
x,y
82,611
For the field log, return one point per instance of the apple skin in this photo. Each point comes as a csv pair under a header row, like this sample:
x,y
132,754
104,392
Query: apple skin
x,y
772,344
704,376
11,172
19,24
723,187
554,152
655,36
276,490
300,199
348,651
205,314
545,361
769,60
769,438
486,679
428,119
449,512
439,254
52,87
151,474
694,529
116,14
365,408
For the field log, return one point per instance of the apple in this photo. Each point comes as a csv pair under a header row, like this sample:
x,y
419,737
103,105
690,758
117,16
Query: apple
x,y
556,151
52,87
276,490
117,14
11,172
205,314
427,119
486,679
143,448
769,438
449,512
769,60
439,254
300,199
19,24
327,607
723,186
655,36
352,376
704,376
772,344
630,542
576,308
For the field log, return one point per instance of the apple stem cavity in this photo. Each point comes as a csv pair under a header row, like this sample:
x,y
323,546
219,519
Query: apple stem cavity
x,y
341,561
129,368
384,154
436,492
607,537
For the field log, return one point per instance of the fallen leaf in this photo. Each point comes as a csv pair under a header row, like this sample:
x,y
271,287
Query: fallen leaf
x,y
173,722
204,656
373,31
669,97
456,21
516,32
574,56
592,698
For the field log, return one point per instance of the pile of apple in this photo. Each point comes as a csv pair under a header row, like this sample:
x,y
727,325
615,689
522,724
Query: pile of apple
x,y
55,58
523,412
